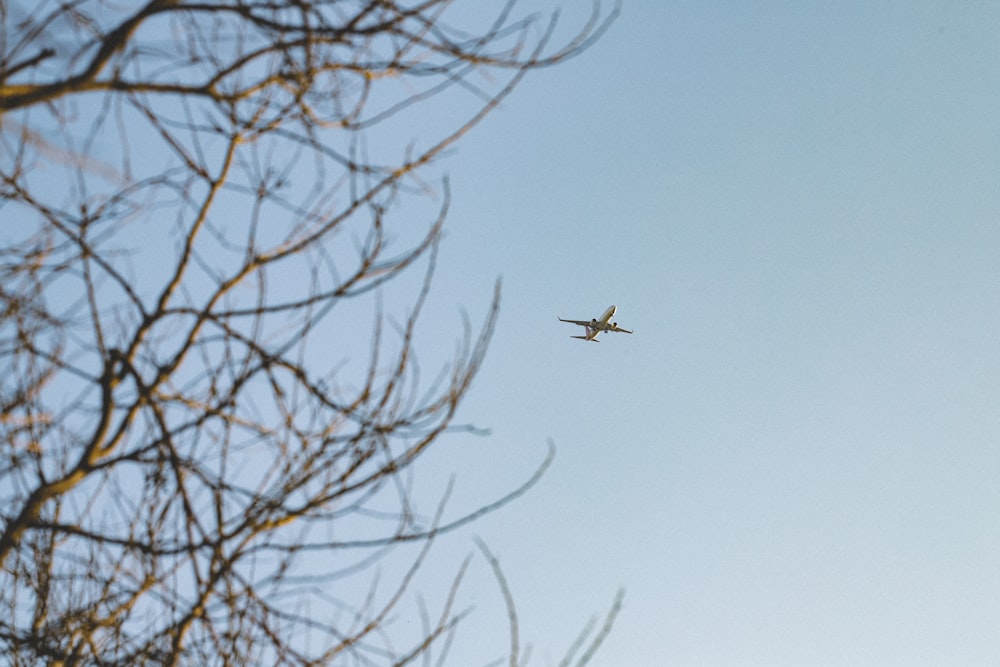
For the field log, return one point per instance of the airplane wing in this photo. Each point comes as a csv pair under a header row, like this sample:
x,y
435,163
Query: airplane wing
x,y
582,323
618,330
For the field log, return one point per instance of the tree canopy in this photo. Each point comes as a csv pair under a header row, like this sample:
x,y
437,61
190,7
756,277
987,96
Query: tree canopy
x,y
192,196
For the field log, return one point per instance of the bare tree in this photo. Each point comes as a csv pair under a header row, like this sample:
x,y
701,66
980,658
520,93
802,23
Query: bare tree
x,y
195,199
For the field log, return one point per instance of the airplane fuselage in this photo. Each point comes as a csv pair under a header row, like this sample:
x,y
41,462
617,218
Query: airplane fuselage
x,y
595,326
606,317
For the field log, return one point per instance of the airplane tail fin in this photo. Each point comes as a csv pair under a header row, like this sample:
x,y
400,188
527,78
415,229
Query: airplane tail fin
x,y
592,340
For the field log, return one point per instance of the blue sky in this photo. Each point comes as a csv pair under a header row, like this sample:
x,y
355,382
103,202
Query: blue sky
x,y
796,458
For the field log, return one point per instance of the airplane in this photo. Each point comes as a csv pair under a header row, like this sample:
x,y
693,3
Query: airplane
x,y
594,327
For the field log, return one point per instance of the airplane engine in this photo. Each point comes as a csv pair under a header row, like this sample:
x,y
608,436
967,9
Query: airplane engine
x,y
614,325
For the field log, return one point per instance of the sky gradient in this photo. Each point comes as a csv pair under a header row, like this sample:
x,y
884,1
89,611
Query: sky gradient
x,y
796,458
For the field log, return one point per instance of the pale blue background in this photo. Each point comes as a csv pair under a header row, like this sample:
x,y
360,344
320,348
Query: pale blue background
x,y
796,458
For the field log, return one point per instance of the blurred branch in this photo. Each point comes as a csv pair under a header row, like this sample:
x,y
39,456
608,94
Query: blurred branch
x,y
200,428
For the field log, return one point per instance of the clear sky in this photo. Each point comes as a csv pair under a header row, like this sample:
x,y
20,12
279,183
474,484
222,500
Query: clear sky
x,y
795,460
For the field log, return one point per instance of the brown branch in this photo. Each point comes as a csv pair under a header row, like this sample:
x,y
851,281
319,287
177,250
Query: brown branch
x,y
181,443
18,96
30,62
508,598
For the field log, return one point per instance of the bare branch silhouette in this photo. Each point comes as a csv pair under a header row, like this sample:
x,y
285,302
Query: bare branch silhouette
x,y
202,205
517,657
